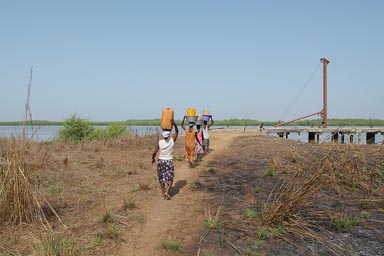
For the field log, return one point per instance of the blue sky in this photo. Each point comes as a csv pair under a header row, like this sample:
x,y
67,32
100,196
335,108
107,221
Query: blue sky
x,y
119,60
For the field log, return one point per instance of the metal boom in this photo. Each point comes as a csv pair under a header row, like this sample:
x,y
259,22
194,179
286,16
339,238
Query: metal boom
x,y
324,111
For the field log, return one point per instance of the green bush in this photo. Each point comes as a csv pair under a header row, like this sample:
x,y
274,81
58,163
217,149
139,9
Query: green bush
x,y
100,134
114,131
76,129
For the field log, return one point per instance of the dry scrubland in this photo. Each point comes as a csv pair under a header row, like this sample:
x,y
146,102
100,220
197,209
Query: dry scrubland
x,y
251,195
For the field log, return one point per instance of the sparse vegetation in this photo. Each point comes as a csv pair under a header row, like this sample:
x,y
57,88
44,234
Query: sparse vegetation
x,y
273,165
57,244
106,218
141,187
293,156
196,184
211,170
364,205
258,189
278,231
250,213
172,245
311,200
301,206
344,223
95,242
262,233
144,187
254,249
269,171
129,204
111,232
213,222
137,217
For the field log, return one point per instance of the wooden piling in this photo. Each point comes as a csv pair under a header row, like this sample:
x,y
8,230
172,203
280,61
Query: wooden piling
x,y
351,138
370,139
311,136
335,137
359,138
339,135
342,138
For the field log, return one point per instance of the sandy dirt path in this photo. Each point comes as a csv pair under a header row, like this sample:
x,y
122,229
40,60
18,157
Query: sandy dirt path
x,y
180,218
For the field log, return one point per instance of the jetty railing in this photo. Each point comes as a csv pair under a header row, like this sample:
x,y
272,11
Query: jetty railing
x,y
337,135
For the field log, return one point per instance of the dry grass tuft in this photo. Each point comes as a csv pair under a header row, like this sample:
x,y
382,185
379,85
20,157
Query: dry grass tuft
x,y
354,173
344,169
19,198
355,176
273,165
300,231
20,160
290,198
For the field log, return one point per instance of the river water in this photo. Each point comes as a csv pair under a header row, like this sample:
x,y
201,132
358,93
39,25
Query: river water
x,y
49,133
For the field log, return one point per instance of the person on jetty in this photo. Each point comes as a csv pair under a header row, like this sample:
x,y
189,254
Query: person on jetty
x,y
165,167
205,129
261,127
199,142
190,141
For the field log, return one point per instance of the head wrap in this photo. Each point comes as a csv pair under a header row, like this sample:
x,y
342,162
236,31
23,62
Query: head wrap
x,y
166,134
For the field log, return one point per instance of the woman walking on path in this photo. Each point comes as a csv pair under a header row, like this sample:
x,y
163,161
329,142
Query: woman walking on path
x,y
206,127
190,142
199,142
165,167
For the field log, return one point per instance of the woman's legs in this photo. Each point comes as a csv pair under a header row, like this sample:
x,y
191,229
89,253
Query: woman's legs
x,y
167,188
166,173
190,150
161,174
162,187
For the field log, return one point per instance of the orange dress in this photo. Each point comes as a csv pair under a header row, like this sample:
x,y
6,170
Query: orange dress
x,y
190,143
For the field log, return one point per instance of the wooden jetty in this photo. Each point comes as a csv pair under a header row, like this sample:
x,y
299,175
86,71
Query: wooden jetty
x,y
338,135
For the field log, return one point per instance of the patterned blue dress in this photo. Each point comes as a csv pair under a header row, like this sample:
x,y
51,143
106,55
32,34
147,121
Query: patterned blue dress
x,y
165,170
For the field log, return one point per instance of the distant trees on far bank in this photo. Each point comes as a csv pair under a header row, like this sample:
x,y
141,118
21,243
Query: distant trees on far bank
x,y
225,122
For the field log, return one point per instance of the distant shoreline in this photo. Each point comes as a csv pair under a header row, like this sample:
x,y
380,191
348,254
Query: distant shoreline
x,y
229,122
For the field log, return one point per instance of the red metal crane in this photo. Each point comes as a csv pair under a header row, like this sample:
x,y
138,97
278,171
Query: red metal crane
x,y
323,113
